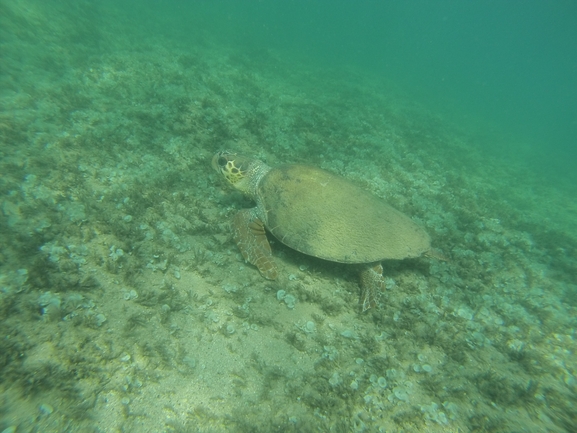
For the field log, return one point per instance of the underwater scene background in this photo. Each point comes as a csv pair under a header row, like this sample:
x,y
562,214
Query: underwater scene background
x,y
126,306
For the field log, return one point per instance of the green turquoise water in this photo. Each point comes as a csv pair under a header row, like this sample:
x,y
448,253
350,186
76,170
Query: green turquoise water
x,y
124,302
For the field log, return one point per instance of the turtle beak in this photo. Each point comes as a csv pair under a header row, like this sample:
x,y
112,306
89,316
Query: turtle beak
x,y
214,162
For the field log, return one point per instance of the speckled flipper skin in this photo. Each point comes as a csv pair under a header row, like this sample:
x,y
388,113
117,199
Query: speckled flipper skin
x,y
372,285
251,240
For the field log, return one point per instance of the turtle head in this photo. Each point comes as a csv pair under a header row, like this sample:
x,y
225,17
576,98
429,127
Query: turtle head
x,y
242,172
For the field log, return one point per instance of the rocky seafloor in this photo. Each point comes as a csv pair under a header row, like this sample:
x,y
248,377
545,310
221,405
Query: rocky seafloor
x,y
126,306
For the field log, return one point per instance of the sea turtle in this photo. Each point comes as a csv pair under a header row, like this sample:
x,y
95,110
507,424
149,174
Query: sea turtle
x,y
320,214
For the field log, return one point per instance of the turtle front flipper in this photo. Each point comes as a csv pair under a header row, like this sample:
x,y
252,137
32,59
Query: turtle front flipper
x,y
251,240
372,284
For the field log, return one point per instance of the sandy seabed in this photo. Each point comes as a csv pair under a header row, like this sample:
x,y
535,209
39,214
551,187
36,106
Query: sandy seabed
x,y
126,305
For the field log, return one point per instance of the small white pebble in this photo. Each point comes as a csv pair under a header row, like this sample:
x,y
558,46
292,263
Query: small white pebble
x,y
46,409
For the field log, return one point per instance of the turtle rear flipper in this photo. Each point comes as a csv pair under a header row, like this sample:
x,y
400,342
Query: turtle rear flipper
x,y
251,240
372,284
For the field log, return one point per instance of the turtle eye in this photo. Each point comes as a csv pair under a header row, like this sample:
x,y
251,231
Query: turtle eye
x,y
222,161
